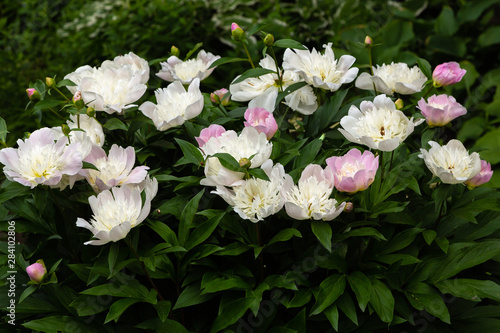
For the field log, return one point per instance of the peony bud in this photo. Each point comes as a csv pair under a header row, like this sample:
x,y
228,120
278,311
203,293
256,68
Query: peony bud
x,y
482,177
50,81
399,104
33,94
269,40
368,41
65,129
245,162
174,51
218,97
354,171
262,120
447,73
213,130
237,33
77,96
349,206
440,110
36,271
90,112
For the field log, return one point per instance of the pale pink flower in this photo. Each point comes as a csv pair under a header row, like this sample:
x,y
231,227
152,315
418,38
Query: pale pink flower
x,y
354,171
234,26
115,169
440,110
36,271
213,130
482,177
32,93
447,73
41,159
262,120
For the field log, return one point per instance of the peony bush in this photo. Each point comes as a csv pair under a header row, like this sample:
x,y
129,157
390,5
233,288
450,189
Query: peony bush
x,y
310,193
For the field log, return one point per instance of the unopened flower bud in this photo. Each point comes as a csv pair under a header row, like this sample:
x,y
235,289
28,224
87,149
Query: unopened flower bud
x,y
90,112
36,271
237,33
218,97
33,94
269,40
77,96
175,51
368,41
65,129
50,81
399,104
348,207
245,163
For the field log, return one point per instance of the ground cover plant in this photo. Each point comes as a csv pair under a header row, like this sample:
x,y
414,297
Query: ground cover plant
x,y
270,178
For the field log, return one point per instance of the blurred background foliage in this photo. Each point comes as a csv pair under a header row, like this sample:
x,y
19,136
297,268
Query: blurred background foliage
x,y
53,38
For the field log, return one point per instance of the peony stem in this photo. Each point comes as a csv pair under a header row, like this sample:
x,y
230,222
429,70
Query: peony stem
x,y
129,243
371,68
60,93
261,254
248,55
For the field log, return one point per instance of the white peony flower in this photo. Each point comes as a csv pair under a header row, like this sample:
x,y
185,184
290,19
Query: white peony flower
x,y
186,71
257,199
136,64
41,159
262,91
250,145
117,211
112,89
116,169
311,198
451,162
321,70
392,78
174,105
77,76
378,124
91,127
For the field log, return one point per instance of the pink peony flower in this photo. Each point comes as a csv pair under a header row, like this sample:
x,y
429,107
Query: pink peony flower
x,y
482,177
440,110
447,73
354,171
32,93
213,130
234,26
262,120
218,97
36,271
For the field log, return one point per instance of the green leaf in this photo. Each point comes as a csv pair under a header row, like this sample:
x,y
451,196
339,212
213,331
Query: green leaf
x,y
187,217
87,305
323,232
329,290
258,173
290,89
470,289
164,232
191,295
362,287
163,309
424,297
285,235
446,44
193,50
360,232
47,104
308,153
156,325
466,256
345,303
3,130
301,298
401,240
403,259
56,324
254,72
324,115
446,25
473,9
114,124
203,231
429,236
65,83
332,314
118,307
490,37
227,161
289,43
231,312
382,301
254,29
226,60
425,67
113,256
11,190
28,291
191,153
219,284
